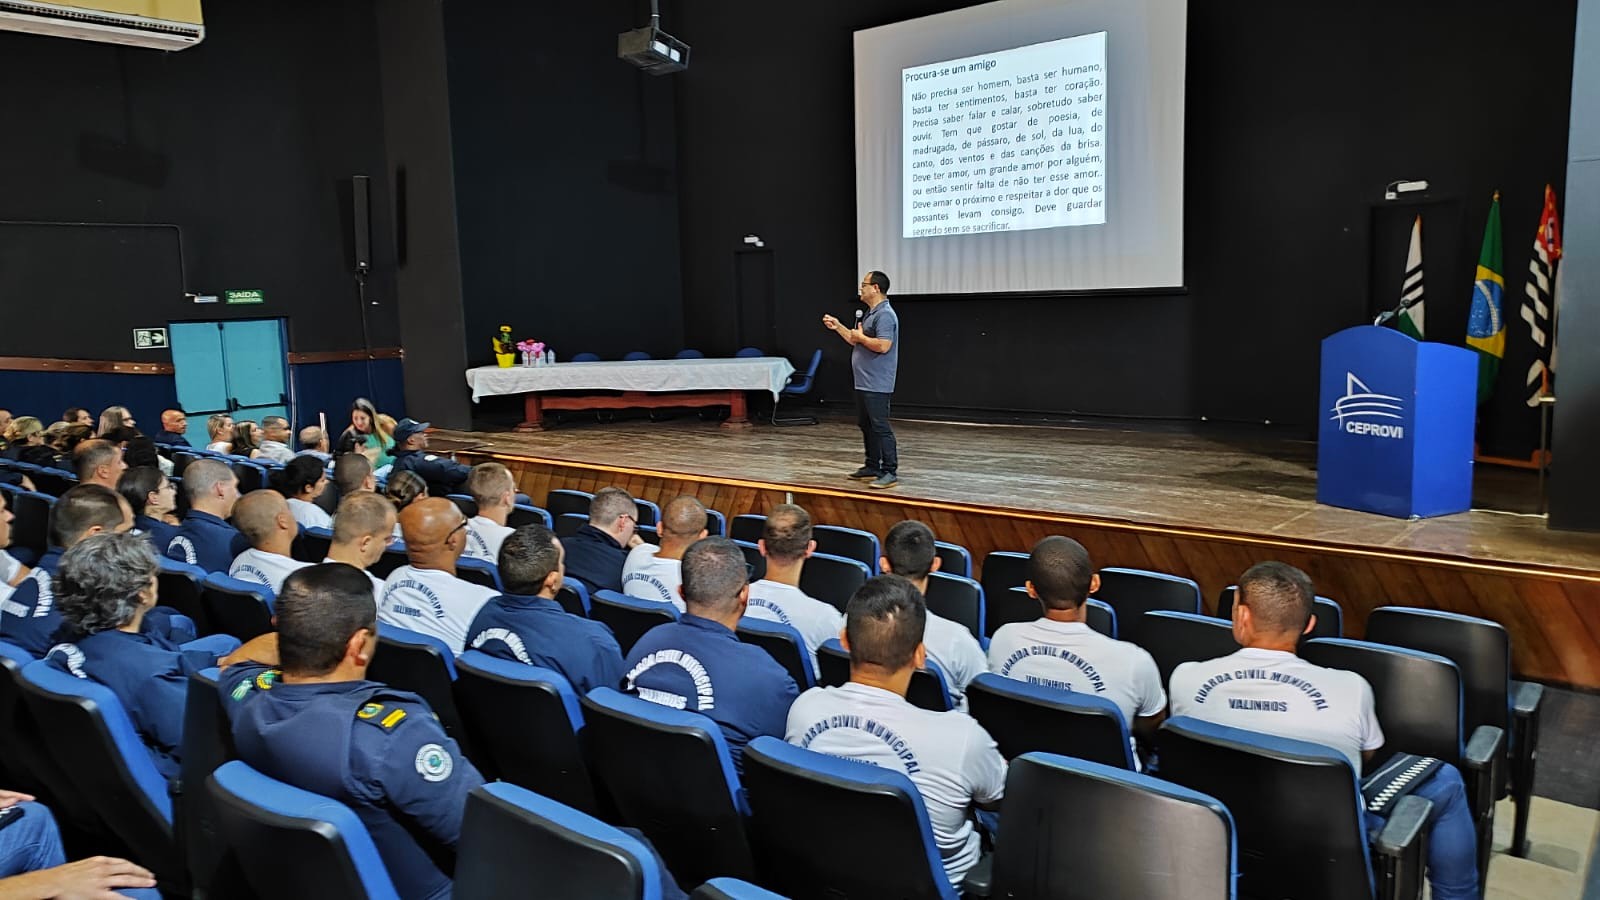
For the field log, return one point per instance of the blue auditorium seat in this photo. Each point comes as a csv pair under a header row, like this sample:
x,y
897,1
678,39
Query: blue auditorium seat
x,y
748,527
716,523
783,644
1023,718
833,579
648,512
1133,592
465,503
957,598
954,559
573,597
240,608
629,617
424,665
850,543
749,353
1174,638
480,572
567,524
525,514
564,501
1002,570
928,688
179,586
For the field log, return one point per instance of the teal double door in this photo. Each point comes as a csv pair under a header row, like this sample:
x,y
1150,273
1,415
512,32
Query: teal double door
x,y
235,367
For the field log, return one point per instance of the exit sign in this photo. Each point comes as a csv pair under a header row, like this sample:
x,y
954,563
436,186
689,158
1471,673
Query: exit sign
x,y
245,296
149,339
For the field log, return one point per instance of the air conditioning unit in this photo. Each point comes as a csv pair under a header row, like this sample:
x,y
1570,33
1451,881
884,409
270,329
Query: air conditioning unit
x,y
158,24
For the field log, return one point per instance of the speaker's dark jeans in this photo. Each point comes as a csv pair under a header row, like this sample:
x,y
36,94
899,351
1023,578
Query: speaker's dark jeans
x,y
872,414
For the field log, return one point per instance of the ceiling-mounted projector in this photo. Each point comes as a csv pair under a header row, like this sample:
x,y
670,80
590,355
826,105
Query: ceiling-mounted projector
x,y
652,49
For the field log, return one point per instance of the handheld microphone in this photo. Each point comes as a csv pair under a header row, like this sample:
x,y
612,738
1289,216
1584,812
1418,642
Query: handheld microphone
x,y
859,314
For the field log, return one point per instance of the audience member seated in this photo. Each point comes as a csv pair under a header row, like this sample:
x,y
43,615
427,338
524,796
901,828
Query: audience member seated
x,y
105,586
1060,650
174,424
495,491
301,482
66,443
30,617
1266,687
220,428
444,476
404,489
426,596
246,440
33,864
655,573
527,625
205,538
353,472
12,571
953,762
314,443
317,723
5,425
264,519
113,418
909,551
786,543
362,529
139,450
22,433
699,664
98,462
153,498
77,415
275,440
598,551
366,435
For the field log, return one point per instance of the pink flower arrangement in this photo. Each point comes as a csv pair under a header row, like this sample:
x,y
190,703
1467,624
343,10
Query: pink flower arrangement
x,y
530,346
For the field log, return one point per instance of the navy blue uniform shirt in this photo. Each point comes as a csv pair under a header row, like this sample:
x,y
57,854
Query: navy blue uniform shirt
x,y
149,674
444,476
159,532
595,558
702,666
29,618
172,439
538,632
378,750
206,541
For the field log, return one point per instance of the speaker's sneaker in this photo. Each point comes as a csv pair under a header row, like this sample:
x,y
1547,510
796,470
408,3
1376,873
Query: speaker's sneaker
x,y
886,480
864,473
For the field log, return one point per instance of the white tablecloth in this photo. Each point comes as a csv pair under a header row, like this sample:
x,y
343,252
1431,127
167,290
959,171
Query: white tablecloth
x,y
759,373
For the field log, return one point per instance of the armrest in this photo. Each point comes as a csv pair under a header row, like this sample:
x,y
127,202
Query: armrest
x,y
1481,766
1525,698
1399,851
980,879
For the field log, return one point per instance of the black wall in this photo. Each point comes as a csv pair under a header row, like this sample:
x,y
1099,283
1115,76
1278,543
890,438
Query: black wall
x,y
1297,118
566,180
240,142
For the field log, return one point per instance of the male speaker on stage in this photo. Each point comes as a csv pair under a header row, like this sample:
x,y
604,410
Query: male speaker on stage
x,y
876,355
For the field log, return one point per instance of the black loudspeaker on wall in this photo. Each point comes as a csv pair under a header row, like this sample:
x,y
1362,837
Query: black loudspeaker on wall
x,y
361,217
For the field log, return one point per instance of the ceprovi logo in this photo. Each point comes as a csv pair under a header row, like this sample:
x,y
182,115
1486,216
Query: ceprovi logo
x,y
1361,411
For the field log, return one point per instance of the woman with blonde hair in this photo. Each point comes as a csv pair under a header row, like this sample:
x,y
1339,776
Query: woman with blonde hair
x,y
220,428
113,418
368,434
23,432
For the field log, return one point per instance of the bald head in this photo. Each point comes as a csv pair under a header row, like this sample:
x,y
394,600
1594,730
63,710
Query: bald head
x,y
683,522
435,533
263,517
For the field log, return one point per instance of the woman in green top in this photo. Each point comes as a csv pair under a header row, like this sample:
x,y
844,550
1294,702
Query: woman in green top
x,y
367,434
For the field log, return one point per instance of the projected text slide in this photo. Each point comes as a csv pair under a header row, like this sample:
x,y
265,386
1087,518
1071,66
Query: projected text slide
x,y
1006,141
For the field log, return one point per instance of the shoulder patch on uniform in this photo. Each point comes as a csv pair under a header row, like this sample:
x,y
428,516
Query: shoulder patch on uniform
x,y
434,763
242,689
267,679
381,716
369,711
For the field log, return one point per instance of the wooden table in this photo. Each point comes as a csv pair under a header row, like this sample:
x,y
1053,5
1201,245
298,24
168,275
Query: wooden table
x,y
643,384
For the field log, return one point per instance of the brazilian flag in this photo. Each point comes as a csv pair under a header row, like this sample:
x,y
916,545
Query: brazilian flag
x,y
1486,329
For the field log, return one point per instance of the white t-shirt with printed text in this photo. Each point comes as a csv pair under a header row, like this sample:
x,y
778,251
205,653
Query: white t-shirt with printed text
x,y
1276,692
484,537
433,602
948,756
261,567
957,653
1074,657
309,515
649,576
377,583
816,620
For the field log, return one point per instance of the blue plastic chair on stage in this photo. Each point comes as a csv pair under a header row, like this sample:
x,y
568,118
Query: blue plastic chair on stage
x,y
585,357
636,356
799,385
749,353
689,353
265,822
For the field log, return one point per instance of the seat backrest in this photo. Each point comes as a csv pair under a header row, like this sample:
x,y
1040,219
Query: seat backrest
x,y
748,527
1417,696
1017,606
314,543
207,744
86,729
527,727
629,617
958,599
394,556
181,460
783,644
1330,616
480,572
31,525
1011,605
671,776
833,579
731,889
1479,648
54,482
1101,618
523,514
513,840
716,523
648,513
1295,805
573,597
798,800
850,543
753,560
240,608
1107,815
927,690
1134,592
1174,638
564,501
954,559
24,754
801,380
567,524
1023,718
422,664
178,585
585,357
293,843
648,534
1001,569
465,503
252,477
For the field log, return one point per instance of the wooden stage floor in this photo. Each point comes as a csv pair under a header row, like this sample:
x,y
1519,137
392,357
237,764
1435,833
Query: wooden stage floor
x,y
1202,506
